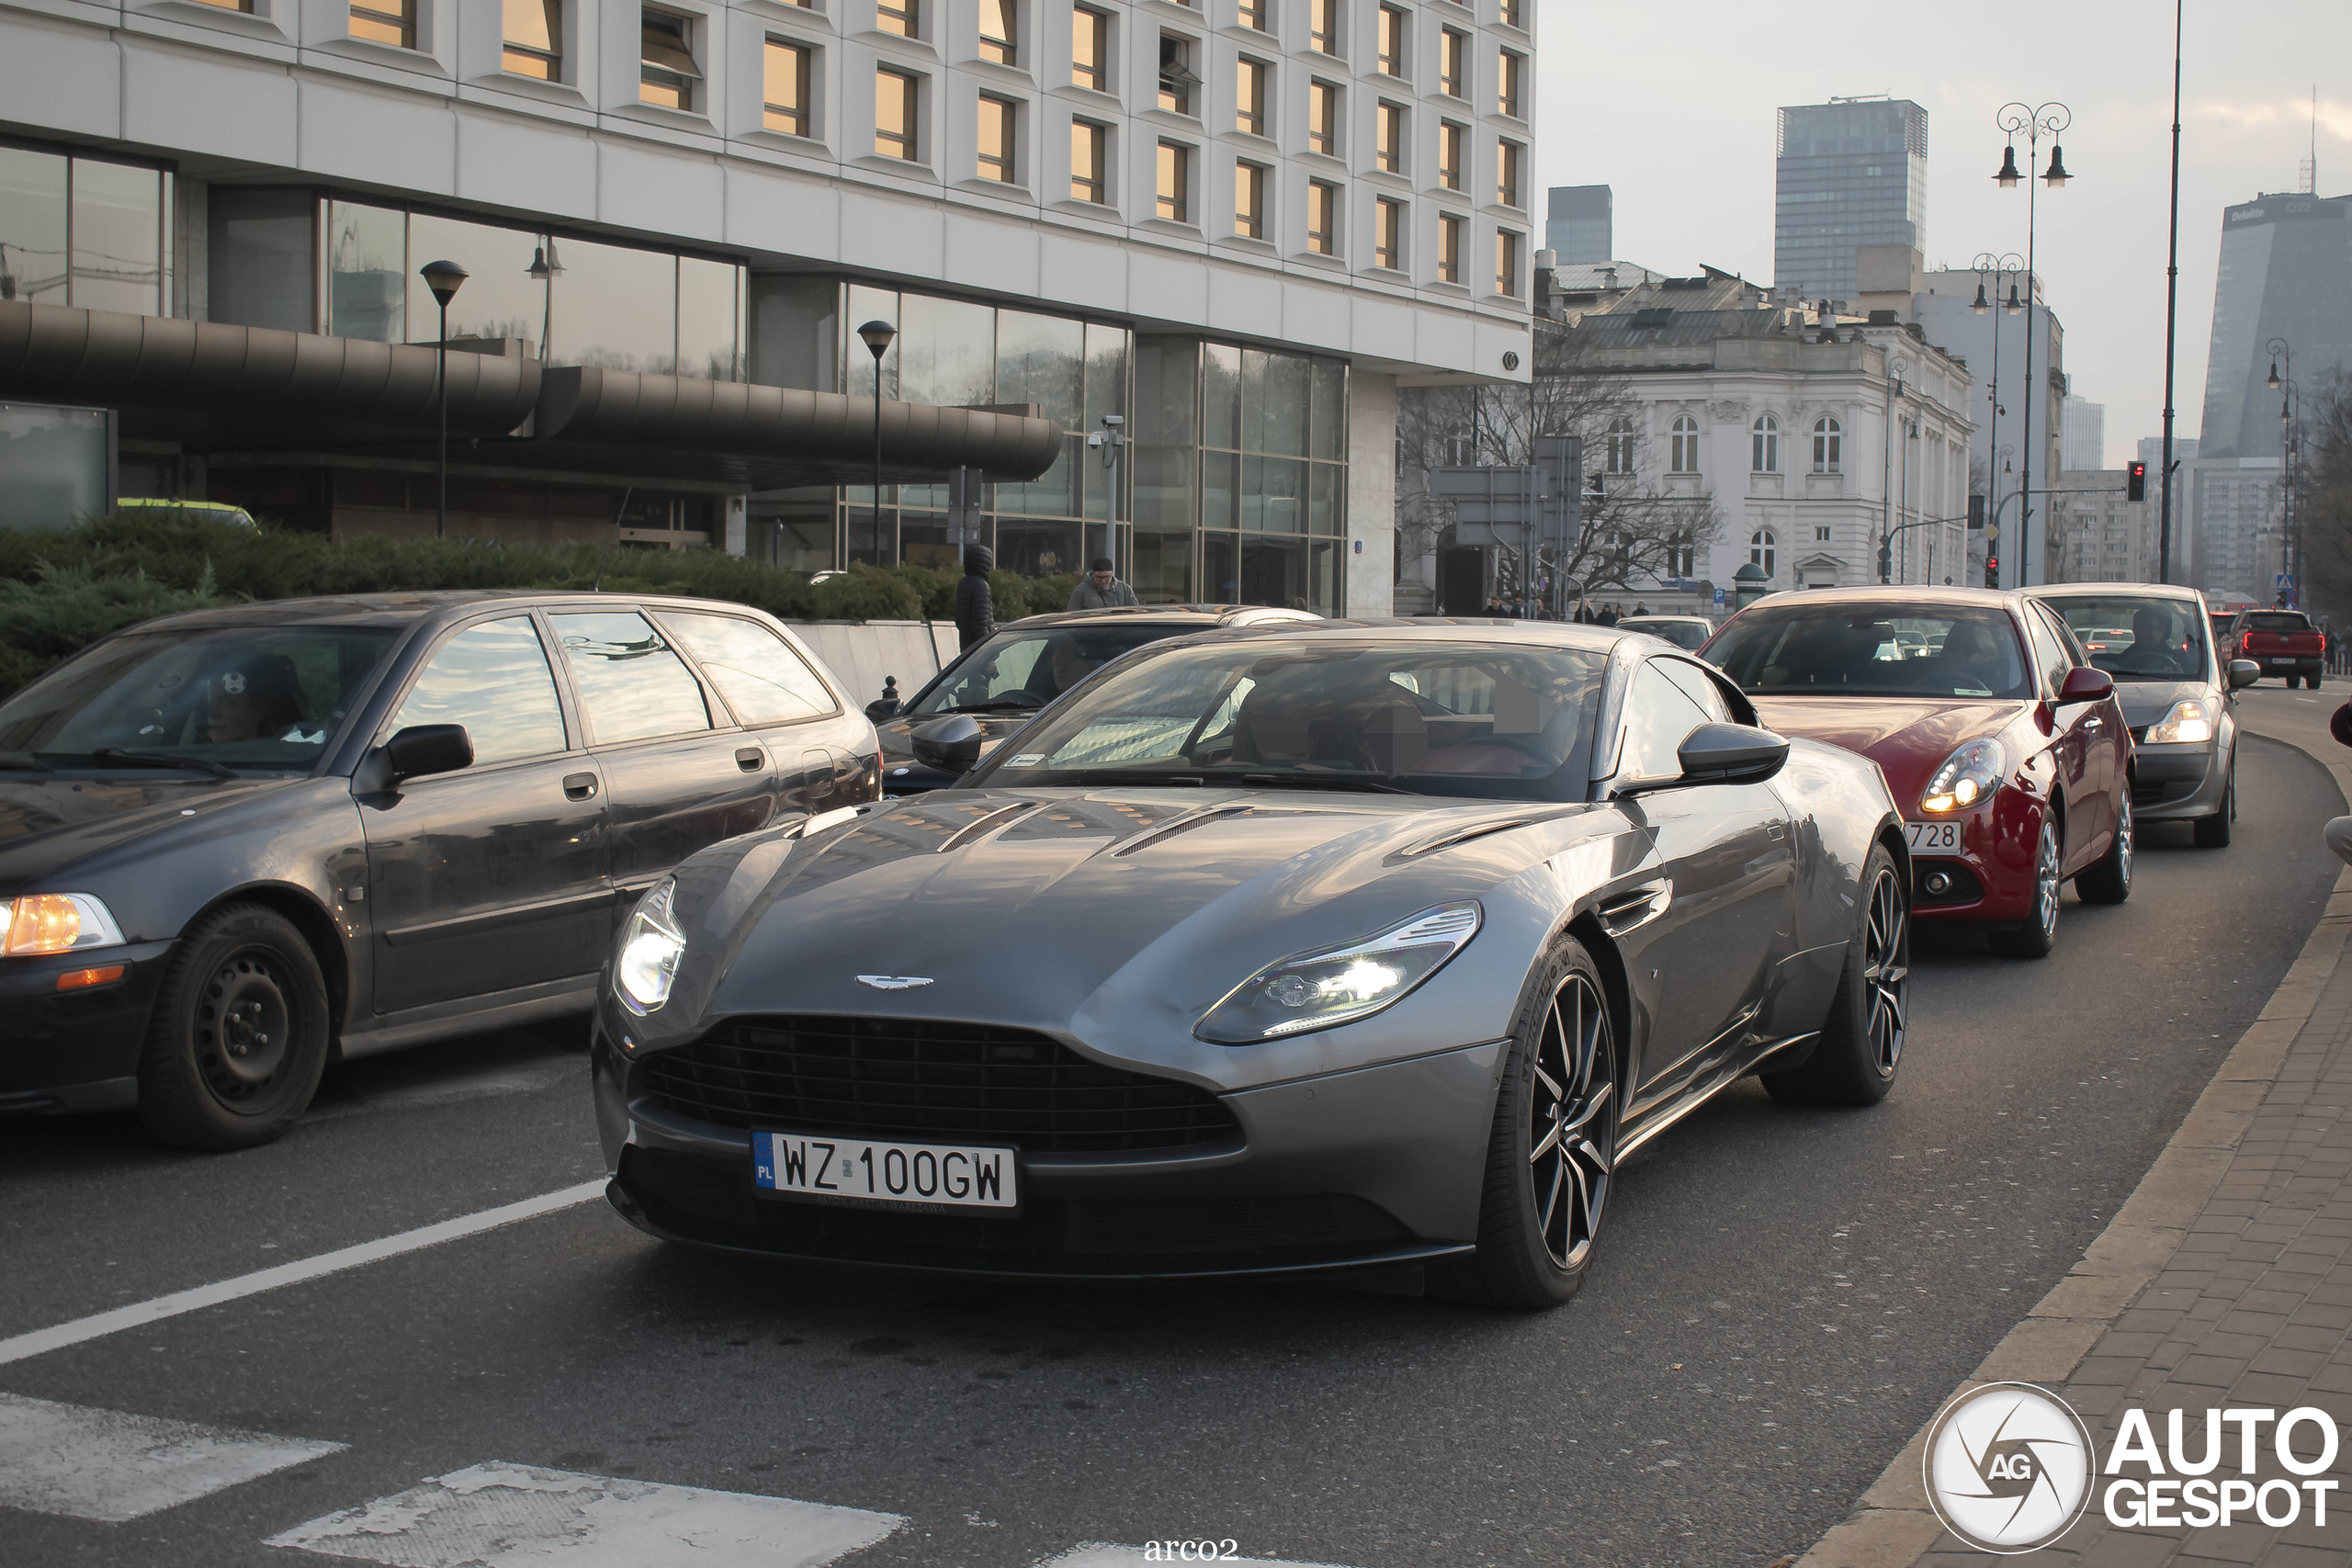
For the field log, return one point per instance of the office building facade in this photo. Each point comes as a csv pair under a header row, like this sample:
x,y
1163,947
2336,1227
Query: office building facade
x,y
1579,225
2285,272
1849,173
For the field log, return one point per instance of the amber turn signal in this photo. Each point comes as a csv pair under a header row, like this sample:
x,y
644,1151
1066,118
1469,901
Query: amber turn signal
x,y
81,979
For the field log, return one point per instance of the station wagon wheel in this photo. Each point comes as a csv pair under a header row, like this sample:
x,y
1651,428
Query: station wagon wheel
x,y
1571,1122
239,1035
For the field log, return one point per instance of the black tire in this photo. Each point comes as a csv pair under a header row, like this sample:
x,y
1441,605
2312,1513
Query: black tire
x,y
2110,882
2036,935
1554,1149
2313,682
239,1035
2214,833
1860,1047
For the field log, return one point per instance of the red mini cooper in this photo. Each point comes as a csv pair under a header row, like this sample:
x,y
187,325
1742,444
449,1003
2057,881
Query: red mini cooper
x,y
2003,748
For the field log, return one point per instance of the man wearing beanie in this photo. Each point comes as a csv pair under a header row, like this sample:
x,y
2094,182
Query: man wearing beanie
x,y
975,608
1099,588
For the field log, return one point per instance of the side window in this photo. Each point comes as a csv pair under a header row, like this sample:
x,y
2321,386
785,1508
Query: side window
x,y
631,685
494,679
1694,684
2048,654
1658,717
2066,638
762,679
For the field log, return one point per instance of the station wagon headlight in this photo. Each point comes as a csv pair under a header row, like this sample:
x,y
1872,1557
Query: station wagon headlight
x,y
649,951
1338,984
58,922
1967,777
2192,721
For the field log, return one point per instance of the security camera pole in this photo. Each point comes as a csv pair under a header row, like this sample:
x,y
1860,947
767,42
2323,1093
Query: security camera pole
x,y
1110,438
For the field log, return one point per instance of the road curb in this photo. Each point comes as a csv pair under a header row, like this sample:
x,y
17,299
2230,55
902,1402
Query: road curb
x,y
1892,1525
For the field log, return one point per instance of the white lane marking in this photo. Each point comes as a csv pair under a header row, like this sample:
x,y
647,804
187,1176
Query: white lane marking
x,y
40,1341
506,1515
1102,1554
105,1464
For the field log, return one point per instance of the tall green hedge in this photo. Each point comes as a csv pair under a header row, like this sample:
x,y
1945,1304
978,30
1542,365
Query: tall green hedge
x,y
61,590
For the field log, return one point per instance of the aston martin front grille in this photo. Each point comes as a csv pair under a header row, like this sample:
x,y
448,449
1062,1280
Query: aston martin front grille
x,y
925,1080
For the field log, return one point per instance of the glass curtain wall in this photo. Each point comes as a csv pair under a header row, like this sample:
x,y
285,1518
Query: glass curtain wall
x,y
84,232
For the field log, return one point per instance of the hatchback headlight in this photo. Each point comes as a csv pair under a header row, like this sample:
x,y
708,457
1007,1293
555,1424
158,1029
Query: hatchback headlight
x,y
1967,776
1338,984
58,922
649,951
2192,721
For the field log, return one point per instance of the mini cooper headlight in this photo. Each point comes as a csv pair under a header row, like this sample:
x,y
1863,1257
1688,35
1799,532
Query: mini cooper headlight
x,y
1340,985
650,952
56,922
2191,719
1967,776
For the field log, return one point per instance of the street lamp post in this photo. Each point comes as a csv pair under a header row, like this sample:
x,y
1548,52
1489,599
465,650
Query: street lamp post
x,y
877,335
2052,118
444,277
2008,266
1896,365
2289,400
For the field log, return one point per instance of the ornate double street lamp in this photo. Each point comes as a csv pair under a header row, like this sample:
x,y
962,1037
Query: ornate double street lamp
x,y
877,335
2290,405
2034,121
443,278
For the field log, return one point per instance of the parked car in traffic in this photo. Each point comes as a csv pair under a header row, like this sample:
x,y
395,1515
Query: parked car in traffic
x,y
2005,749
1287,949
238,844
1686,632
2175,694
1002,682
2281,642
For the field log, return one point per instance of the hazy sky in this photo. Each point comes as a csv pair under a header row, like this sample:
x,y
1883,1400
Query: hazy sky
x,y
1674,106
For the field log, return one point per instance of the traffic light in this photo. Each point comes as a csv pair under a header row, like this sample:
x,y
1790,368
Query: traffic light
x,y
1991,572
2135,483
1886,560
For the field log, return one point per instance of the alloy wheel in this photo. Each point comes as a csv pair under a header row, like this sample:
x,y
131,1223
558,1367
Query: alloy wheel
x,y
1572,1122
1886,971
2125,840
2045,880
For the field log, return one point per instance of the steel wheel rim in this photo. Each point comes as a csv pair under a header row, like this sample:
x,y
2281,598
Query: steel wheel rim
x,y
2123,842
2045,881
1886,972
244,1023
1572,1122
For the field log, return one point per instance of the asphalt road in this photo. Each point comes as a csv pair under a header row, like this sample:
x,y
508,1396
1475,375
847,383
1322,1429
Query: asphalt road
x,y
1782,1298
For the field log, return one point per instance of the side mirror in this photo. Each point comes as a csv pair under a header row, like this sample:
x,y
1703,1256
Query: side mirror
x,y
951,745
2244,673
412,753
1730,753
2085,685
886,706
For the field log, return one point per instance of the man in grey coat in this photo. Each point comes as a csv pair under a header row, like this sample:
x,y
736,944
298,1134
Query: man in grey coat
x,y
974,606
1099,588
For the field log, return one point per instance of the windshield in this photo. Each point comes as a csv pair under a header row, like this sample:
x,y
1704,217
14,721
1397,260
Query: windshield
x,y
1426,717
2278,621
2136,637
252,698
1848,649
1019,670
1684,633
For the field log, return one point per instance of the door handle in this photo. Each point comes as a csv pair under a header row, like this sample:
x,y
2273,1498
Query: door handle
x,y
750,757
579,786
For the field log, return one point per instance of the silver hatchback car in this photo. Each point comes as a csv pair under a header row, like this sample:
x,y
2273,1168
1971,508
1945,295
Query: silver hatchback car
x,y
2176,696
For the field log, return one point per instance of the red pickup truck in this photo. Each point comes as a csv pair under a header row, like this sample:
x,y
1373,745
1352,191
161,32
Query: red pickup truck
x,y
2284,642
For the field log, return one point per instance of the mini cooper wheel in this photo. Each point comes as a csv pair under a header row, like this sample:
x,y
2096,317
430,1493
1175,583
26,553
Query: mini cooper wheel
x,y
1862,1041
1554,1151
239,1035
2034,936
2110,882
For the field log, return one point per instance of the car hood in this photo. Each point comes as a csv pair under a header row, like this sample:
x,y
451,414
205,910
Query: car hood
x,y
1909,738
48,823
2144,702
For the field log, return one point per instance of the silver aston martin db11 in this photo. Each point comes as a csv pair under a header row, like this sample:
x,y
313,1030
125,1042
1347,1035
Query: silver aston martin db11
x,y
1307,948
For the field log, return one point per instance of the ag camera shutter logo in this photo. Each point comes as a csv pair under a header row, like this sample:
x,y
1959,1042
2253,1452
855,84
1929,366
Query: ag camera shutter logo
x,y
2009,1467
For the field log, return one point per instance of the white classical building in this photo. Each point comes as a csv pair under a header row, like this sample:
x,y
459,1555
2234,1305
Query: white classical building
x,y
1236,224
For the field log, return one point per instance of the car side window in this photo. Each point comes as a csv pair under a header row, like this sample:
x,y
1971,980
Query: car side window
x,y
494,679
1659,716
632,685
1695,686
2049,655
2065,635
759,673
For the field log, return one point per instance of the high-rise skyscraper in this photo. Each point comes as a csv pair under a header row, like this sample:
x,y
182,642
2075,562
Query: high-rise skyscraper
x,y
1851,172
2082,434
1577,225
2286,273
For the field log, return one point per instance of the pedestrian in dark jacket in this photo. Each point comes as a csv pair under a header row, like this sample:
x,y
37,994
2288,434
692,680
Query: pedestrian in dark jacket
x,y
2338,831
975,611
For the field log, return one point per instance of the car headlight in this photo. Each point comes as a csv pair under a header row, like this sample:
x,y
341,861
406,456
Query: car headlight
x,y
650,952
59,922
1338,985
2191,719
1967,776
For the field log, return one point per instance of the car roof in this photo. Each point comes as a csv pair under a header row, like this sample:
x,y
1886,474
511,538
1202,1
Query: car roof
x,y
1911,592
1446,628
1201,615
2111,589
402,609
1701,619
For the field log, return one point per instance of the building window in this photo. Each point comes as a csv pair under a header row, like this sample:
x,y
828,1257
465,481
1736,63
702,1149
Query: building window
x,y
666,73
1452,49
1323,26
1762,549
1250,96
998,41
1764,446
1682,444
1827,438
1821,533
1175,183
1087,161
1388,138
386,21
1506,263
998,123
1508,14
1322,218
1250,200
784,85
1258,14
1449,248
1451,140
1323,119
1389,45
1090,48
901,16
1507,162
1682,557
894,115
1176,78
1388,233
1617,448
1507,83
534,40
245,5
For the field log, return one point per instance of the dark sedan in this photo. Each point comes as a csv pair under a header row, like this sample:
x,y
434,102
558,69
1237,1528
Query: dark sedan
x,y
237,844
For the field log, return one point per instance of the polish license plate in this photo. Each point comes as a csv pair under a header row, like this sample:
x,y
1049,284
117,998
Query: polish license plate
x,y
858,1172
1934,838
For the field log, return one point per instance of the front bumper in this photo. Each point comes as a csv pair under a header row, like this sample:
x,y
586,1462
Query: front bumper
x,y
1377,1167
75,1050
1991,879
2172,782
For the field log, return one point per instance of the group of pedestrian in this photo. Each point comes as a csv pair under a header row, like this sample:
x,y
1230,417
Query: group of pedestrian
x,y
1608,614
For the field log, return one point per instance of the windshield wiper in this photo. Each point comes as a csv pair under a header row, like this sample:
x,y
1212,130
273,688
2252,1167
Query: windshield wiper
x,y
998,706
25,763
1316,780
1084,776
115,756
